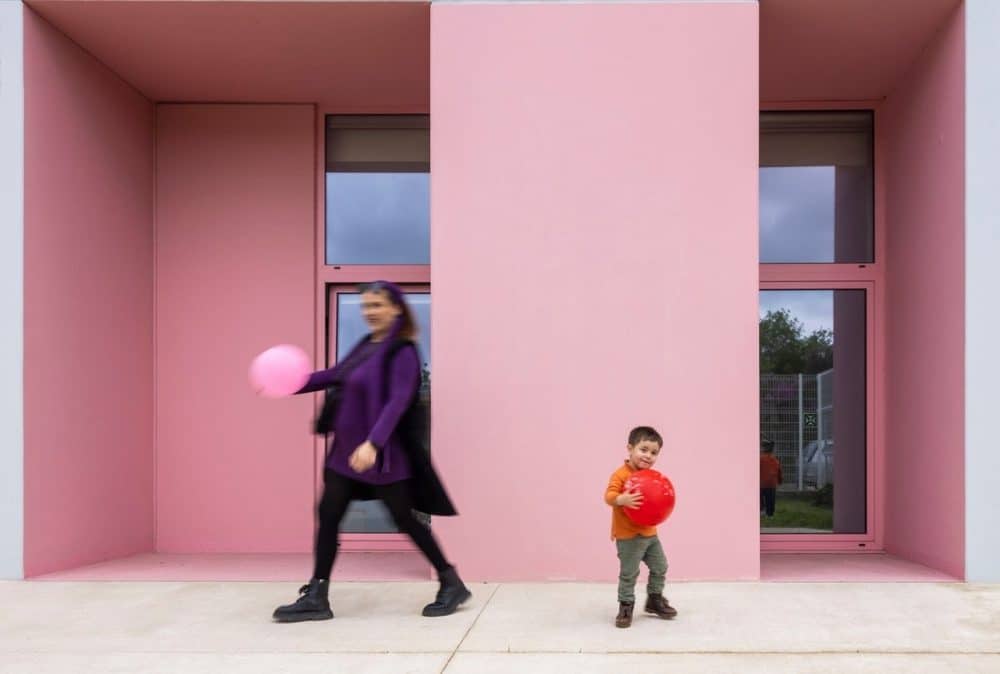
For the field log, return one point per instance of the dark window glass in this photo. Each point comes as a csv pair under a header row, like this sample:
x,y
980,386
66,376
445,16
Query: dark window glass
x,y
812,407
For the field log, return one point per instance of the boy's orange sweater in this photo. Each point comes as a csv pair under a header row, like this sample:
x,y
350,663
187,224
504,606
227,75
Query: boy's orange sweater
x,y
770,471
622,528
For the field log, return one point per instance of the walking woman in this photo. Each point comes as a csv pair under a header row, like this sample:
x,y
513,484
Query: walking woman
x,y
373,411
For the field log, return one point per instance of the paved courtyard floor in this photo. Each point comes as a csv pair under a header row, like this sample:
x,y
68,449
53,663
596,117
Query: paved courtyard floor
x,y
218,627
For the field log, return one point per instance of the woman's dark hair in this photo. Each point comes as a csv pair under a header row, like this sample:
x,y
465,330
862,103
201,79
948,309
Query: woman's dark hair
x,y
408,329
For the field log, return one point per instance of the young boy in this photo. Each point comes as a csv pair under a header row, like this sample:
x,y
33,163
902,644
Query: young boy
x,y
637,543
770,477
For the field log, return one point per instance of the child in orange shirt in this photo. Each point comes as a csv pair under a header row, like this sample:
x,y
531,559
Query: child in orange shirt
x,y
637,543
770,477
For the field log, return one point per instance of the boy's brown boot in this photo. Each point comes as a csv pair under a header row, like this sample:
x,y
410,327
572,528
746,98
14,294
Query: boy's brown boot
x,y
624,617
657,604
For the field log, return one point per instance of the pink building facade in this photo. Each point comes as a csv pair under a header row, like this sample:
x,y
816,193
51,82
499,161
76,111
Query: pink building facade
x,y
600,210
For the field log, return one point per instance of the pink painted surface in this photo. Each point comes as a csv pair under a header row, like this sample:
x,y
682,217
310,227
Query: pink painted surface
x,y
595,267
924,116
411,566
356,566
846,568
88,323
845,50
234,276
355,56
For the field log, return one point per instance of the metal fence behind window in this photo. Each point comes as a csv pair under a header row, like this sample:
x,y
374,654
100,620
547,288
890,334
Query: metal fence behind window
x,y
790,414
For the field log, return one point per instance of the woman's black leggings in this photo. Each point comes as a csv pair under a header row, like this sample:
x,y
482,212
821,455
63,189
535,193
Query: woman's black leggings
x,y
337,495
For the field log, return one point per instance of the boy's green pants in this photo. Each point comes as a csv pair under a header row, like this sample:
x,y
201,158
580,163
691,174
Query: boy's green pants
x,y
631,551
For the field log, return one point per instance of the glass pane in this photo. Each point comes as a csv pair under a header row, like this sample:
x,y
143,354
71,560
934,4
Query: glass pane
x,y
816,188
378,218
812,411
371,517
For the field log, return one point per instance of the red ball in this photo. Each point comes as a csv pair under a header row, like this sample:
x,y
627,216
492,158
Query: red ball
x,y
657,497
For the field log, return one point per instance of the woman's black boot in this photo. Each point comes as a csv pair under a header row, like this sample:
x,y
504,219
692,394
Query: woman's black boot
x,y
452,594
313,604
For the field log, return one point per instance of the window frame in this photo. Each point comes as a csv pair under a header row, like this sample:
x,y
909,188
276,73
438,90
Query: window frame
x,y
331,278
834,541
352,540
834,276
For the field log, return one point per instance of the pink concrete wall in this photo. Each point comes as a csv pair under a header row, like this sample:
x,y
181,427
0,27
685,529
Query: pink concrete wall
x,y
924,482
88,294
594,240
235,229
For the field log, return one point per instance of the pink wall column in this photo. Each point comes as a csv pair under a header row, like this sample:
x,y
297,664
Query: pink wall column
x,y
594,214
88,292
235,215
925,470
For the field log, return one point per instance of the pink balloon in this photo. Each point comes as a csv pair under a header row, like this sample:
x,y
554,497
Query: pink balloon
x,y
280,371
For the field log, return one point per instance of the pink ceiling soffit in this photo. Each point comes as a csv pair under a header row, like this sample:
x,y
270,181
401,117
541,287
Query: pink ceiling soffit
x,y
351,56
825,50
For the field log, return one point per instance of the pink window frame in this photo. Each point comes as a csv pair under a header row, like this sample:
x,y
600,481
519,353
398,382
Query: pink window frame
x,y
344,278
870,277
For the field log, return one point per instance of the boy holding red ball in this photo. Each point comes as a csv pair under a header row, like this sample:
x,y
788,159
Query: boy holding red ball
x,y
637,543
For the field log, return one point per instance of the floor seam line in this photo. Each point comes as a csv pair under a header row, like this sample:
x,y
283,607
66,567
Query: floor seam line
x,y
499,652
469,630
852,651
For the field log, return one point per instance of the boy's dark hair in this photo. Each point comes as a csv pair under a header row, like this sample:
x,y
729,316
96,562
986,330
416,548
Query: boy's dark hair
x,y
767,444
640,433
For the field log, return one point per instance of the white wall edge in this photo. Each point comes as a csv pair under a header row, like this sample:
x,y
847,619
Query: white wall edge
x,y
11,290
982,285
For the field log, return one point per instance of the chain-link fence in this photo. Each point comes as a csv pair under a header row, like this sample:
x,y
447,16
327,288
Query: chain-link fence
x,y
796,410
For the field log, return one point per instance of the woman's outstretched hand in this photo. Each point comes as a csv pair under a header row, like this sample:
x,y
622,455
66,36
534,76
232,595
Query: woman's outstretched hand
x,y
363,457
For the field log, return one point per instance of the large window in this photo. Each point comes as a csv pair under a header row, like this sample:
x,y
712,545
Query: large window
x,y
819,301
376,226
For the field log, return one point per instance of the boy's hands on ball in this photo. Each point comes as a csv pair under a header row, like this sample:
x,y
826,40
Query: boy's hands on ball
x,y
629,499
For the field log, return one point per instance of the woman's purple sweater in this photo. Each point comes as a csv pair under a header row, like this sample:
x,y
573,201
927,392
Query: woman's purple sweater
x,y
366,412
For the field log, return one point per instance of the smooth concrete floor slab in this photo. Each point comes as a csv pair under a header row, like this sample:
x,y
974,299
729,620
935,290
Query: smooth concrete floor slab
x,y
580,663
749,617
224,618
194,627
223,663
